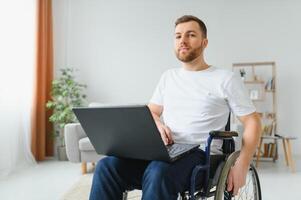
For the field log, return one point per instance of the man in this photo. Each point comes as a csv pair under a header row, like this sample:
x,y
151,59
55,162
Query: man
x,y
193,100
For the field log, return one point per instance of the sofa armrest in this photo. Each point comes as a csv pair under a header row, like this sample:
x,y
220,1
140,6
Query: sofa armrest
x,y
73,133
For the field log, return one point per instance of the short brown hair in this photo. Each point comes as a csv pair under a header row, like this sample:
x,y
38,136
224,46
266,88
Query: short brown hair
x,y
188,18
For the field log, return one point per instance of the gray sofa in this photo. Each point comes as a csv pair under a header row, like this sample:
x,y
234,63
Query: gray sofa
x,y
78,146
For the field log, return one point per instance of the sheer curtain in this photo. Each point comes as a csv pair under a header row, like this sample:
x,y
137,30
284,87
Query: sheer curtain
x,y
17,61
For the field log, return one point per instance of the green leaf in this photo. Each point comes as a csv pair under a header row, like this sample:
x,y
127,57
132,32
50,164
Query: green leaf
x,y
66,93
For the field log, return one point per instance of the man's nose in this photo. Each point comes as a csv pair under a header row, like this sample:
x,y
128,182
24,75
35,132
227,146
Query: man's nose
x,y
183,40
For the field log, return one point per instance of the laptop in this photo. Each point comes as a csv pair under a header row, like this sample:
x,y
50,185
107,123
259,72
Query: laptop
x,y
129,132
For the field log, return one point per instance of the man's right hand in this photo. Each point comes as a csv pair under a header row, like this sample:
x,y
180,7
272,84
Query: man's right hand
x,y
165,133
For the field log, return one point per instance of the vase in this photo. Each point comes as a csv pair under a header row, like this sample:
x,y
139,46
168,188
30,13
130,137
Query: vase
x,y
61,153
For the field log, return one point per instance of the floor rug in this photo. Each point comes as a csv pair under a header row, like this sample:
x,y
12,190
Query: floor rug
x,y
81,189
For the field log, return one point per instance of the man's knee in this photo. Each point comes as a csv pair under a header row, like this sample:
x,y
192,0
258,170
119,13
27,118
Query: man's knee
x,y
106,181
156,172
106,163
158,183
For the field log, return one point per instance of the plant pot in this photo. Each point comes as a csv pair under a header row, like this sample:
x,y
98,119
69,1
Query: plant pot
x,y
61,152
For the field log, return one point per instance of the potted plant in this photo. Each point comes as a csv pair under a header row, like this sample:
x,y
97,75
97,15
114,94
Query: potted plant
x,y
66,93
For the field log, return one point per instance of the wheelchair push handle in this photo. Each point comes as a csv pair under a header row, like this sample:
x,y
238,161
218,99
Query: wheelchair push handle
x,y
223,134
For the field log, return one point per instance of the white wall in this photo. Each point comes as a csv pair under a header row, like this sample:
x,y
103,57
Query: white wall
x,y
122,47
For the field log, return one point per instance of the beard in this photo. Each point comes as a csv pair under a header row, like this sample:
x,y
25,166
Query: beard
x,y
189,56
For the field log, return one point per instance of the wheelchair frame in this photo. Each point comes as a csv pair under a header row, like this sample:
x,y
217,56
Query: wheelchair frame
x,y
221,172
220,175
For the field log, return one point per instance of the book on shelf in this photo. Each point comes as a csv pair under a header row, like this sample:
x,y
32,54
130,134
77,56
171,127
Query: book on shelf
x,y
269,127
270,84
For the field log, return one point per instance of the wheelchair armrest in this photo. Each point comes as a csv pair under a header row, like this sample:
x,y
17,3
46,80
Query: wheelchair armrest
x,y
223,134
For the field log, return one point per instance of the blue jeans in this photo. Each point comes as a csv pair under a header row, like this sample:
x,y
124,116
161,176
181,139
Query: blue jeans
x,y
158,180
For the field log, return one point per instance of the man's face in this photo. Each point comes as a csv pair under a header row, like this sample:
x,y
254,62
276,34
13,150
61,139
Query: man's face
x,y
189,41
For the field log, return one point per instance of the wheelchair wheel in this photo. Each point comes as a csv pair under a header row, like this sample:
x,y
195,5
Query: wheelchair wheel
x,y
251,191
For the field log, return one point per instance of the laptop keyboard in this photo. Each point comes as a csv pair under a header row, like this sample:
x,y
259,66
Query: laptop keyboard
x,y
175,149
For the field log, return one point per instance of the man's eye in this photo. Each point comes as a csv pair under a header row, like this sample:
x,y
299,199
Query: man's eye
x,y
178,37
191,35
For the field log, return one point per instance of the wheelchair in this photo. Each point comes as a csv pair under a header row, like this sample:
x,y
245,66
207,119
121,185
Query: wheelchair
x,y
216,170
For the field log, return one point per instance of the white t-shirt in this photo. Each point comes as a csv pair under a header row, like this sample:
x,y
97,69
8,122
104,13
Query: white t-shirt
x,y
197,102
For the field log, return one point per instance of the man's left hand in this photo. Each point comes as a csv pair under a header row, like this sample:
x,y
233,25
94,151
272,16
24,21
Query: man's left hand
x,y
237,176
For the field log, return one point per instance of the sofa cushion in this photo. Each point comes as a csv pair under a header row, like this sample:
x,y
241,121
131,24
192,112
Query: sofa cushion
x,y
85,145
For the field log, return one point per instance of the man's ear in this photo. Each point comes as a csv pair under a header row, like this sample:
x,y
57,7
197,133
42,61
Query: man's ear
x,y
205,43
